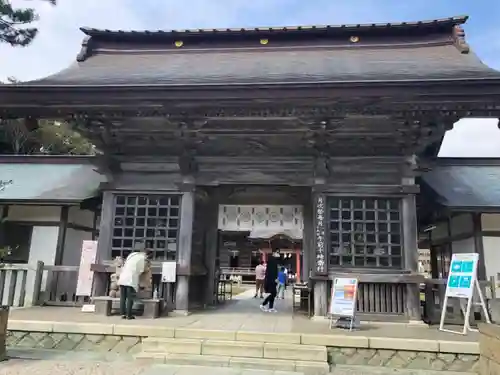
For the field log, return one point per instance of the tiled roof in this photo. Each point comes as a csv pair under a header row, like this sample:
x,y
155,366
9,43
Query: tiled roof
x,y
466,186
436,23
48,182
417,51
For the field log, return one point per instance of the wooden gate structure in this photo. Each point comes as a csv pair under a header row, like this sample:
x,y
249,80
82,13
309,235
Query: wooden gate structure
x,y
336,119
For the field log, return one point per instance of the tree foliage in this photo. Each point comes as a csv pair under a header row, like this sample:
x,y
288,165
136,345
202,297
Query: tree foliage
x,y
51,137
16,26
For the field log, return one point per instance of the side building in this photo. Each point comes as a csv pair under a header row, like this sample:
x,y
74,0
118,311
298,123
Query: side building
x,y
48,206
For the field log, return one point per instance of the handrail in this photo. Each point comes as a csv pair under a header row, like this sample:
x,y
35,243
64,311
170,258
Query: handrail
x,y
15,267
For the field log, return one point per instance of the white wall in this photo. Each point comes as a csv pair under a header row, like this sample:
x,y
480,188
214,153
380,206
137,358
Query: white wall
x,y
43,247
34,213
44,238
491,246
71,257
490,222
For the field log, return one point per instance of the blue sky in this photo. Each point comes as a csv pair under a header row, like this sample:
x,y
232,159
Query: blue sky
x,y
59,39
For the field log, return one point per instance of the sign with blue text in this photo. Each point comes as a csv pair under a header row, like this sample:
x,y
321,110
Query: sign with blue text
x,y
462,283
462,275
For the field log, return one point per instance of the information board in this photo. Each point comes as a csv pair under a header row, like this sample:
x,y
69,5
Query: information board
x,y
463,270
343,300
85,275
168,272
462,282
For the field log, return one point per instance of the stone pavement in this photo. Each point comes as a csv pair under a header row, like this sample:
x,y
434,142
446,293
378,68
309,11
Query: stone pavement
x,y
241,314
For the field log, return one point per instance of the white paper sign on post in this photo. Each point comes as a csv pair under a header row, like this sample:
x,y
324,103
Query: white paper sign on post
x,y
85,275
168,272
343,299
462,282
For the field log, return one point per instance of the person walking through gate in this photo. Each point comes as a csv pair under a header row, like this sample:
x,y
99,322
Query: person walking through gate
x,y
260,275
135,265
270,282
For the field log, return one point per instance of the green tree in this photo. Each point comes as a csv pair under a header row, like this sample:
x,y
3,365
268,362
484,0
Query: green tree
x,y
15,24
51,137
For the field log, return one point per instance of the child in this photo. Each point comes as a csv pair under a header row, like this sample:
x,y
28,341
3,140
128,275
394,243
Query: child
x,y
281,283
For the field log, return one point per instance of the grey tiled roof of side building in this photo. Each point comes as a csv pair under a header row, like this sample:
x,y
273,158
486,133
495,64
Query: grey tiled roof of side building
x,y
465,186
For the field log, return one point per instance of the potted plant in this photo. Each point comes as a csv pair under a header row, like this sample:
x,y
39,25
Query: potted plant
x,y
5,251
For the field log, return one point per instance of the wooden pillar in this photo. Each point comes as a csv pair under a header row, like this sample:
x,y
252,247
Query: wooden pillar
x,y
104,242
410,244
61,237
105,227
307,241
211,235
478,245
184,248
4,216
320,255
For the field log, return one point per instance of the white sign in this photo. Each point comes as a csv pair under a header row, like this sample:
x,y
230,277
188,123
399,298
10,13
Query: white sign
x,y
463,270
462,281
168,272
343,301
85,275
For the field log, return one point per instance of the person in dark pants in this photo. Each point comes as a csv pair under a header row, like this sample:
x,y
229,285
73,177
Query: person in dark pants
x,y
135,264
270,282
127,298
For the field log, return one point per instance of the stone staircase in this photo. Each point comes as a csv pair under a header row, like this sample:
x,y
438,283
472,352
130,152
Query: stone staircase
x,y
299,358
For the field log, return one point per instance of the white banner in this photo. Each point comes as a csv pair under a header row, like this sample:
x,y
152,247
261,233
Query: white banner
x,y
85,275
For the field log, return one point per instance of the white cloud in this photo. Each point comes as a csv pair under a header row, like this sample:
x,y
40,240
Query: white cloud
x,y
59,40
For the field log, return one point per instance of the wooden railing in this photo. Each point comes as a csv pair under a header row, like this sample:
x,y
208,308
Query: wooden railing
x,y
383,297
59,286
20,284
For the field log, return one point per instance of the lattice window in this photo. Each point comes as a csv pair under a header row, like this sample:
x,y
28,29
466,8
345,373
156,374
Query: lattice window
x,y
151,221
365,232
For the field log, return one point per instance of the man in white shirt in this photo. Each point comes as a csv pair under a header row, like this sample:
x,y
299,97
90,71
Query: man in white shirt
x,y
135,264
260,275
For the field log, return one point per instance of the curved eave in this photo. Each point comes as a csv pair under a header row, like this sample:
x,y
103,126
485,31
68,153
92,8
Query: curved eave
x,y
258,85
436,24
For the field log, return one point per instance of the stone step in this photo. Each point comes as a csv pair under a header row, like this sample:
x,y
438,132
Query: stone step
x,y
230,348
298,367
